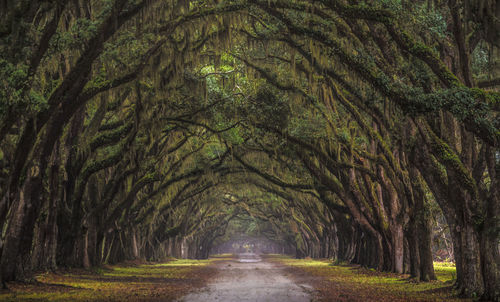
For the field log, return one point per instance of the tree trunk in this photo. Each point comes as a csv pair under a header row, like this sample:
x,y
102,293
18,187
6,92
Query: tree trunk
x,y
425,246
470,281
85,250
15,262
135,249
490,234
414,250
398,248
44,250
490,265
421,232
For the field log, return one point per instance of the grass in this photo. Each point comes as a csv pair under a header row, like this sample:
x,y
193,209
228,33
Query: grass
x,y
126,282
339,282
445,271
170,280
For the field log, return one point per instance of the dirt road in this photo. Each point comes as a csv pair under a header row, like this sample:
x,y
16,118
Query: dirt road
x,y
250,278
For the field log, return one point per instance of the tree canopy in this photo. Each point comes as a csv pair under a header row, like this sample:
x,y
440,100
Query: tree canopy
x,y
335,129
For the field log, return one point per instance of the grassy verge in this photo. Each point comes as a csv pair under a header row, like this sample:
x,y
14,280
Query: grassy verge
x,y
354,283
126,282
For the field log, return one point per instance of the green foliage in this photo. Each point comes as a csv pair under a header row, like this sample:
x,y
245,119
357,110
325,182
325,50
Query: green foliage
x,y
480,60
269,108
215,150
466,105
308,126
12,80
393,5
432,21
76,38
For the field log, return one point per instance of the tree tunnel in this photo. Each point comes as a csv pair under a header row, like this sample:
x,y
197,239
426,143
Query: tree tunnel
x,y
348,130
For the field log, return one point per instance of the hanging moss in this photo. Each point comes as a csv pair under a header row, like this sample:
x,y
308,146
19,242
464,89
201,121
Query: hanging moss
x,y
361,11
111,125
99,165
111,137
428,55
452,162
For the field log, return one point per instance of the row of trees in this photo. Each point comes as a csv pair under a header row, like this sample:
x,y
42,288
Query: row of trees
x,y
143,129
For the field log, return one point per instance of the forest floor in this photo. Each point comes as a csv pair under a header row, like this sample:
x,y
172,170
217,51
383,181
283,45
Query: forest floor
x,y
130,281
336,282
227,278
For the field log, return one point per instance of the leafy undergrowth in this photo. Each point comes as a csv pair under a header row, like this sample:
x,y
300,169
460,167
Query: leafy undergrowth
x,y
131,281
355,283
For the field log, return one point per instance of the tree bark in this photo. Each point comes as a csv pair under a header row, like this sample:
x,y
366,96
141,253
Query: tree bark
x,y
15,262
